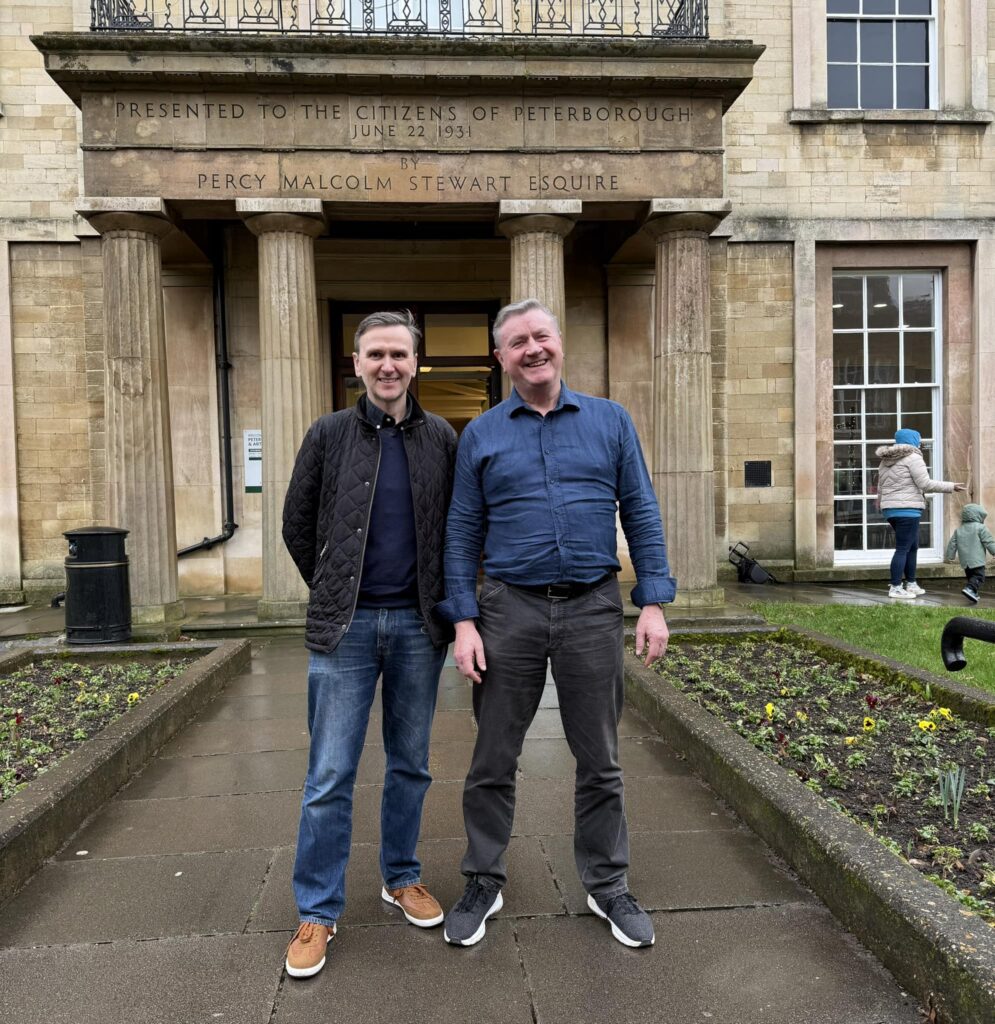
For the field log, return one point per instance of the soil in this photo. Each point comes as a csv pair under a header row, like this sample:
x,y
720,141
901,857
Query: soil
x,y
876,752
51,707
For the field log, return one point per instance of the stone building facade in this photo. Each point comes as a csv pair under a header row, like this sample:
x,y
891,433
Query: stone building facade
x,y
771,260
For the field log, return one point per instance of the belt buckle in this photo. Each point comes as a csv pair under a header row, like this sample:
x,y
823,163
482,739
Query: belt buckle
x,y
558,591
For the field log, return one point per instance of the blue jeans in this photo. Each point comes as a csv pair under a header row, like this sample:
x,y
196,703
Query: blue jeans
x,y
341,686
903,561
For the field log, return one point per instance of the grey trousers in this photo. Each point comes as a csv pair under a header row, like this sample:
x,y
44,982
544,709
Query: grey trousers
x,y
581,638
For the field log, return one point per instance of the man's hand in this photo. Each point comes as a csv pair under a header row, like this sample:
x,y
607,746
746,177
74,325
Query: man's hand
x,y
469,650
651,632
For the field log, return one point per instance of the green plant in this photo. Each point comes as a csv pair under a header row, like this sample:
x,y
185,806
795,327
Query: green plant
x,y
952,792
929,834
979,832
946,857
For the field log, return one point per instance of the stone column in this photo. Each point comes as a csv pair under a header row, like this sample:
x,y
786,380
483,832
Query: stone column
x,y
11,591
537,229
290,367
136,404
683,461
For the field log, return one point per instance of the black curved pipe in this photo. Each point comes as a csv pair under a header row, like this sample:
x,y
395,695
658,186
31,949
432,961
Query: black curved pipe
x,y
229,526
952,641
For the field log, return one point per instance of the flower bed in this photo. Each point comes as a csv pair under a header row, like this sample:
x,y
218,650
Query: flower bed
x,y
49,707
918,776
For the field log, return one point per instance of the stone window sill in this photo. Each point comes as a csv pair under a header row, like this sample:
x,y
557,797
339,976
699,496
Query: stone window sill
x,y
823,116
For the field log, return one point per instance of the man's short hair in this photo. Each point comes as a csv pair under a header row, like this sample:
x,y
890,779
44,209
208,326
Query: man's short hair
x,y
401,318
514,309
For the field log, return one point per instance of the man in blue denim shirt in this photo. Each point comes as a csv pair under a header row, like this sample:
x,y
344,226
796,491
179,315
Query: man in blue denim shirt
x,y
538,482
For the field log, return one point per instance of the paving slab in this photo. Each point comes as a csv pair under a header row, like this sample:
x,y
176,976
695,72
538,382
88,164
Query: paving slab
x,y
687,870
778,965
129,828
260,682
135,898
640,757
546,806
270,771
531,890
237,737
410,976
547,725
218,979
231,707
442,815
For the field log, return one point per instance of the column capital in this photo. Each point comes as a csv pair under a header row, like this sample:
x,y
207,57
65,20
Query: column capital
x,y
669,216
524,216
148,214
302,216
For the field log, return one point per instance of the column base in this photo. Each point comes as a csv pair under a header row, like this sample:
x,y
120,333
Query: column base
x,y
157,621
270,611
707,597
11,596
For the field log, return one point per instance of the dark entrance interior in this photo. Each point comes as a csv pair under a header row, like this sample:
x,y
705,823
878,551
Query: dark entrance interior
x,y
458,377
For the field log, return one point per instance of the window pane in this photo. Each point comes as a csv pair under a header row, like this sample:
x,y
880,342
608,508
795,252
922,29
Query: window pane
x,y
848,512
877,43
882,300
924,533
873,465
881,407
849,481
842,41
882,358
879,6
846,456
880,536
848,303
919,357
917,300
917,400
915,7
848,359
842,6
911,42
876,92
921,421
913,88
849,538
846,415
843,87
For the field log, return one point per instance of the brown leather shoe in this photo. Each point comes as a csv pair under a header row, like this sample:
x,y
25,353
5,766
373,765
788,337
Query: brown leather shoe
x,y
306,952
419,906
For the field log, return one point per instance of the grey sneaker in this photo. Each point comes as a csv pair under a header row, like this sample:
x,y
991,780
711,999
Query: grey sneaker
x,y
467,921
630,924
971,594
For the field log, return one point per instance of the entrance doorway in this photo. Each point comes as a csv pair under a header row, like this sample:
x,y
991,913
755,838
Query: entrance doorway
x,y
458,377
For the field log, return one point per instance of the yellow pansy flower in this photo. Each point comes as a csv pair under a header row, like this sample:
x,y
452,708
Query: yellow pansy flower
x,y
927,726
870,725
133,698
770,709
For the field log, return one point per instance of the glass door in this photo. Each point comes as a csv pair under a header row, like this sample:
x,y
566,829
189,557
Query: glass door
x,y
458,377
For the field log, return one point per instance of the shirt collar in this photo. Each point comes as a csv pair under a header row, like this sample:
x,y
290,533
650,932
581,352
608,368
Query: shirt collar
x,y
379,418
567,400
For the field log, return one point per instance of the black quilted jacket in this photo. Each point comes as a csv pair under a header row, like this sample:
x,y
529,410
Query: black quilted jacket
x,y
327,512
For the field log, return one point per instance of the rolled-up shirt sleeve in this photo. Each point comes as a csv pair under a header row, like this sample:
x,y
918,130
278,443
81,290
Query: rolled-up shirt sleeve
x,y
466,527
640,516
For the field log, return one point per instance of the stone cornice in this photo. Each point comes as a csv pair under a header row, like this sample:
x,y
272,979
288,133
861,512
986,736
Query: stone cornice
x,y
503,64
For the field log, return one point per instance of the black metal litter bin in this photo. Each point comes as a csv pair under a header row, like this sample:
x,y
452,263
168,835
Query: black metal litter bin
x,y
98,598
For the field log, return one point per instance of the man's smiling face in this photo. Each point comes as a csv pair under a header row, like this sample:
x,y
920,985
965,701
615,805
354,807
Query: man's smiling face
x,y
531,351
386,362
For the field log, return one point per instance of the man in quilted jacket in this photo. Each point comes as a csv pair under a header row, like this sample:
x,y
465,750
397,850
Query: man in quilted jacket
x,y
363,520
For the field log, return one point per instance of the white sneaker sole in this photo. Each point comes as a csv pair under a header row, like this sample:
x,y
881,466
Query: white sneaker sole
x,y
971,597
427,922
479,933
904,596
309,972
616,931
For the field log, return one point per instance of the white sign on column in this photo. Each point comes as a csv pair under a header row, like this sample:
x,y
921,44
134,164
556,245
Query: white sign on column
x,y
253,443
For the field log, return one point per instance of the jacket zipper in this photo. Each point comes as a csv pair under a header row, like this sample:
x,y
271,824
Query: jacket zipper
x,y
366,533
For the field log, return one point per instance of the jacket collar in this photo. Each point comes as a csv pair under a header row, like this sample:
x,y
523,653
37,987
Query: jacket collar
x,y
370,417
567,400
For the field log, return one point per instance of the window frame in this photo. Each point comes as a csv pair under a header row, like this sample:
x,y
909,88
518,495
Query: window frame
x,y
932,56
933,553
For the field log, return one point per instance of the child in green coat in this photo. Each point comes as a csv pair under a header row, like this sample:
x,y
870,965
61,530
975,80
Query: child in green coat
x,y
969,543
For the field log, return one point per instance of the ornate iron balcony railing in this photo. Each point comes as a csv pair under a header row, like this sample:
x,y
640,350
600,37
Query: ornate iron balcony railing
x,y
673,19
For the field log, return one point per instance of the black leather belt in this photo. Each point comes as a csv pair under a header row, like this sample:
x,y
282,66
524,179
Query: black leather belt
x,y
561,591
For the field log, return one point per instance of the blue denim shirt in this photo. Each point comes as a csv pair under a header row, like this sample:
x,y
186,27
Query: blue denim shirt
x,y
538,494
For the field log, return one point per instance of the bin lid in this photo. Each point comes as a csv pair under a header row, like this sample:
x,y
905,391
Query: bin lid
x,y
106,531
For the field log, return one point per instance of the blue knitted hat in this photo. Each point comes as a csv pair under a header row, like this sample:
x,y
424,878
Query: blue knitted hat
x,y
908,436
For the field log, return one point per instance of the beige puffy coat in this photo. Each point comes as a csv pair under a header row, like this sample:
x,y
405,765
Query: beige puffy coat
x,y
903,478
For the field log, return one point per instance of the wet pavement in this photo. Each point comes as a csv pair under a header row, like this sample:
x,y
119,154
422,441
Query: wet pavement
x,y
173,904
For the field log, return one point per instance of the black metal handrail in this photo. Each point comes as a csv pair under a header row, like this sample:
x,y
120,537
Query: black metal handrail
x,y
952,641
672,19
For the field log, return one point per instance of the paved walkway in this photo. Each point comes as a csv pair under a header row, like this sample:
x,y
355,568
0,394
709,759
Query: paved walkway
x,y
173,904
